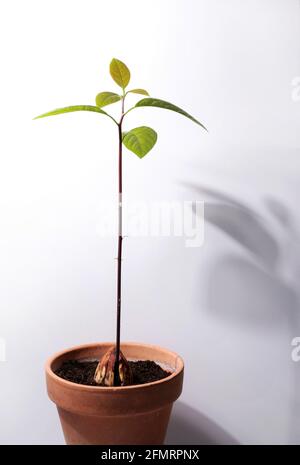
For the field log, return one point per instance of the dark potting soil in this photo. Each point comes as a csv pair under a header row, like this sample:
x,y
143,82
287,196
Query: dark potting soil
x,y
144,371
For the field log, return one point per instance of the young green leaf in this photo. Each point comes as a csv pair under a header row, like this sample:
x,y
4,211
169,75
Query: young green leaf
x,y
70,109
138,91
119,72
154,102
140,140
106,98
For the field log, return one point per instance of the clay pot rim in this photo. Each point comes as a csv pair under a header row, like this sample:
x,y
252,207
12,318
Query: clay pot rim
x,y
83,387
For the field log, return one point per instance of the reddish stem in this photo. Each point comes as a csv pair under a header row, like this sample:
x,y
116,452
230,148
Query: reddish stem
x,y
119,259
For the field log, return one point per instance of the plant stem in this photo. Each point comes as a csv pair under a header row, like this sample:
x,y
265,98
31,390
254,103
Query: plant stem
x,y
119,259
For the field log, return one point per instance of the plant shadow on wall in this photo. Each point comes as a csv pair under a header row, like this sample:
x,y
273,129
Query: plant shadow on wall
x,y
255,288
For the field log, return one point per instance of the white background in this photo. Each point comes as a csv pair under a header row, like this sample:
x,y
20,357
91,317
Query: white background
x,y
230,308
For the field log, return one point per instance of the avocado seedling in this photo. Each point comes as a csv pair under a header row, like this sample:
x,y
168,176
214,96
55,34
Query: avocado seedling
x,y
113,369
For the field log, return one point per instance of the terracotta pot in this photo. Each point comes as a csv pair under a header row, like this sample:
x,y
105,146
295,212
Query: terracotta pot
x,y
115,415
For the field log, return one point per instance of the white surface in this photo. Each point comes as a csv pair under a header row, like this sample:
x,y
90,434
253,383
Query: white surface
x,y
230,308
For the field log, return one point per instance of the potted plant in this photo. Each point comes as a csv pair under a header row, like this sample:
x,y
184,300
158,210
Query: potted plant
x,y
113,393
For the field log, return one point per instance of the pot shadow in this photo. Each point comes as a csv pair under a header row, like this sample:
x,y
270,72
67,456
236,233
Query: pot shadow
x,y
262,286
190,427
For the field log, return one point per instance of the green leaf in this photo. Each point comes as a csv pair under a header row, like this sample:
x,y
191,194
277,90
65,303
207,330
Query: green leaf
x,y
106,98
139,91
70,109
154,102
119,72
140,140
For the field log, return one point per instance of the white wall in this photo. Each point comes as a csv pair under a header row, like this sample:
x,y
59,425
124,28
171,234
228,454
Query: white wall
x,y
231,307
